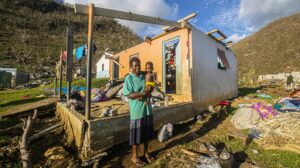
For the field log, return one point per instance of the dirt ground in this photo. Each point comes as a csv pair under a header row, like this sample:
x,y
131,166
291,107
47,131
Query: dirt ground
x,y
51,150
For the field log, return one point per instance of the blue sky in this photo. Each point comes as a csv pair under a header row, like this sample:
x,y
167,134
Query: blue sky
x,y
236,18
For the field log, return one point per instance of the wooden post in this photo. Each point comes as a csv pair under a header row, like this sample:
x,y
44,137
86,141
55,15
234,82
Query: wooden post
x,y
89,63
55,86
60,74
69,44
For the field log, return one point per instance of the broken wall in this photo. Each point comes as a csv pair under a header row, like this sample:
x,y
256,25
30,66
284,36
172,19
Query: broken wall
x,y
211,84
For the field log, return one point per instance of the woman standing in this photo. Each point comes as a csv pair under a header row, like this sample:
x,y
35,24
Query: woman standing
x,y
141,120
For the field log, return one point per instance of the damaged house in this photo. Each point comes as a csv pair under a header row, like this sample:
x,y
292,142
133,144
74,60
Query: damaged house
x,y
195,69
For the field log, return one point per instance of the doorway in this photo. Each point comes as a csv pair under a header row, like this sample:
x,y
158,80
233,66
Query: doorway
x,y
115,69
171,66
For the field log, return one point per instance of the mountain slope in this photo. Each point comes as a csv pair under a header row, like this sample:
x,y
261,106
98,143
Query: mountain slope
x,y
275,48
32,33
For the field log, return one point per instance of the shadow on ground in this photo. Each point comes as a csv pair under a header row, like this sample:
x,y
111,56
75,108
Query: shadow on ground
x,y
244,91
119,155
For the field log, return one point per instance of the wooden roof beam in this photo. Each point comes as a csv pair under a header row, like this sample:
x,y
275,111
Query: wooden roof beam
x,y
84,9
182,21
217,31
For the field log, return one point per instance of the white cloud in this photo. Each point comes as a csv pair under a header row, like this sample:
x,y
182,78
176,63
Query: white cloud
x,y
236,37
257,13
153,8
247,16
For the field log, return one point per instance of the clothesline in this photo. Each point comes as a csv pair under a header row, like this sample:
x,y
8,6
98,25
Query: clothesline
x,y
79,52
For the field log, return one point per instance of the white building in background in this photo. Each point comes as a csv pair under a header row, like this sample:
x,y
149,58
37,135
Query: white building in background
x,y
102,68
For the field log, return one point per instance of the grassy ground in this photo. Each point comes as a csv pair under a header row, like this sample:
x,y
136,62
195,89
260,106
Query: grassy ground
x,y
11,98
214,130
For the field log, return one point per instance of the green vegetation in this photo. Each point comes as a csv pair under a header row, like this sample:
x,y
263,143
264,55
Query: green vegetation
x,y
273,49
33,33
12,98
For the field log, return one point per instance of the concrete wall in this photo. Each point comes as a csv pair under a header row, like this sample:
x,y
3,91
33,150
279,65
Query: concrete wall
x,y
280,76
209,83
73,124
106,132
153,51
105,72
93,135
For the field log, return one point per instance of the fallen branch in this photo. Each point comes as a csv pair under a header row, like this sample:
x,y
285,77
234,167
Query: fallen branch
x,y
37,135
25,154
190,153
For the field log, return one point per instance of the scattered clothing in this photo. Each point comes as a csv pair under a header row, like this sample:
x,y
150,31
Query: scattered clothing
x,y
245,118
99,96
266,112
264,96
254,133
165,133
288,105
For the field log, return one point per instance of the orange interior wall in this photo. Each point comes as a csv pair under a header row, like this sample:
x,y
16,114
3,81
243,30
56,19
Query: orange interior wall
x,y
152,51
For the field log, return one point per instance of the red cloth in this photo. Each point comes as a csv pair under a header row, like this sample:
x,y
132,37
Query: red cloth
x,y
224,103
64,56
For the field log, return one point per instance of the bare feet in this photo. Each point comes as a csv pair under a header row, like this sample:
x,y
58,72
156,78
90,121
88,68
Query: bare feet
x,y
138,162
149,158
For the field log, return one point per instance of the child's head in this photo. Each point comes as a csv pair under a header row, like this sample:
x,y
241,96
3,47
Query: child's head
x,y
149,67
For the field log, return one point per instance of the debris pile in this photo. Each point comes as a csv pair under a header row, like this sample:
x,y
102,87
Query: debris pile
x,y
273,121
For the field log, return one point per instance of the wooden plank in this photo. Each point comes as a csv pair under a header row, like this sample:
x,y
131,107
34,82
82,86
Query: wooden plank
x,y
185,19
60,74
84,9
89,63
69,44
217,31
28,107
69,49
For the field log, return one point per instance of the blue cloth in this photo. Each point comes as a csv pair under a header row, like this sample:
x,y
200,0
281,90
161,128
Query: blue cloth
x,y
290,105
80,52
74,87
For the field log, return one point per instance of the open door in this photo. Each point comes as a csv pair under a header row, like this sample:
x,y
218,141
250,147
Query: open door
x,y
115,70
172,66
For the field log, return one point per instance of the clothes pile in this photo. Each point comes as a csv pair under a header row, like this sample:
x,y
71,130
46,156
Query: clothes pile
x,y
288,104
245,118
265,111
98,95
165,133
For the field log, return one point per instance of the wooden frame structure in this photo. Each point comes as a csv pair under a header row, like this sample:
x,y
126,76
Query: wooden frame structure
x,y
223,36
92,11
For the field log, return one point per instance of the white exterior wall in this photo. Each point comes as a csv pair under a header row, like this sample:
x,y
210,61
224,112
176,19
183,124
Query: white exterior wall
x,y
102,73
280,76
210,84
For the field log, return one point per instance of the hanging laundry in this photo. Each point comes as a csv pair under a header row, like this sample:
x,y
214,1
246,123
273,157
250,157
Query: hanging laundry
x,y
74,51
64,56
94,48
80,52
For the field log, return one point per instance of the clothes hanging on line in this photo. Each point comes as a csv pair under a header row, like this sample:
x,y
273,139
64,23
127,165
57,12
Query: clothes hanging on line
x,y
80,52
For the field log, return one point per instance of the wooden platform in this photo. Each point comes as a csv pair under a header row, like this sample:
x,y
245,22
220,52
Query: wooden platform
x,y
117,104
21,109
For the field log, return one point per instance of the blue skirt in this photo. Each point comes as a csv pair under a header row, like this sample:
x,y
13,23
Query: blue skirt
x,y
141,130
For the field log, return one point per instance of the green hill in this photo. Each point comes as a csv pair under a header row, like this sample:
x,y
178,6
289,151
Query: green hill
x,y
275,48
32,33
